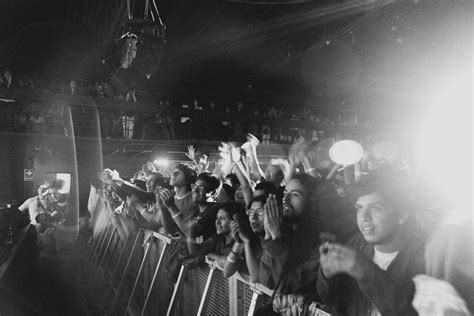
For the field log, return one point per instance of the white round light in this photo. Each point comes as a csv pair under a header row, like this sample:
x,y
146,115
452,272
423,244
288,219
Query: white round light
x,y
346,152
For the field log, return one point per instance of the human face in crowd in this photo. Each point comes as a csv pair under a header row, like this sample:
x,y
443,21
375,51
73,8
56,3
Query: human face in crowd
x,y
223,222
177,178
239,195
199,191
294,200
255,214
377,221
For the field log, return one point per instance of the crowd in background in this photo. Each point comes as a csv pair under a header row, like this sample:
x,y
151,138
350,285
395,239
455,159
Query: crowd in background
x,y
208,120
353,239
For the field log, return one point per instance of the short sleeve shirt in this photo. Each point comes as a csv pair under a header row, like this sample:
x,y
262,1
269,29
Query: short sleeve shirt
x,y
34,208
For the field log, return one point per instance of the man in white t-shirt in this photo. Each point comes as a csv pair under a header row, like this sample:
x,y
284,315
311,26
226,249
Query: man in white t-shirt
x,y
372,274
40,204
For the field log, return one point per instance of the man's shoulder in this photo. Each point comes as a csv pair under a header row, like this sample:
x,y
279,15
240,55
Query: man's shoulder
x,y
30,202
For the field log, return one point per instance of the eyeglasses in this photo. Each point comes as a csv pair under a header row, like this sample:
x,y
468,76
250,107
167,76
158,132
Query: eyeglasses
x,y
199,188
258,212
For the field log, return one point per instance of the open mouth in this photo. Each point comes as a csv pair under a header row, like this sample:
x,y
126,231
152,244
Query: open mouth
x,y
366,229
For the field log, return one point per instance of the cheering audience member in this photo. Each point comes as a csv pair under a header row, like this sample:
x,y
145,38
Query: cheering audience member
x,y
289,261
372,274
150,217
182,178
200,224
220,245
248,244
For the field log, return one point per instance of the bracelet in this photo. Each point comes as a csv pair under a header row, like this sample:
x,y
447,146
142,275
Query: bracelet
x,y
176,215
310,169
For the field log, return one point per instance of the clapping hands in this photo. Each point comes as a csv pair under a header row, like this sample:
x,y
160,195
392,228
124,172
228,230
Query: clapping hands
x,y
272,219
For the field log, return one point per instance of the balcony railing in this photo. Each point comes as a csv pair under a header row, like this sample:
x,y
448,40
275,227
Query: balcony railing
x,y
64,114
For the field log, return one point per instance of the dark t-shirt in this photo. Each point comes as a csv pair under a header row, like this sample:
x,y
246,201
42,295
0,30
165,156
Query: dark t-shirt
x,y
206,221
222,248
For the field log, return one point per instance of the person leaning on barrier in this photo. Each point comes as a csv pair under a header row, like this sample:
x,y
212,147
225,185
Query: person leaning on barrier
x,y
219,246
150,218
200,224
372,274
247,243
181,180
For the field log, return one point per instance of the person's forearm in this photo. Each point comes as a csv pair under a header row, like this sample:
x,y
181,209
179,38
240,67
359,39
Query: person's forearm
x,y
333,171
309,168
230,263
357,172
169,224
143,223
255,168
245,186
252,263
178,217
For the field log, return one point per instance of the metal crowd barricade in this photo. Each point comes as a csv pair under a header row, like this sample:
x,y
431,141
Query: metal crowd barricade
x,y
205,291
97,243
199,291
138,298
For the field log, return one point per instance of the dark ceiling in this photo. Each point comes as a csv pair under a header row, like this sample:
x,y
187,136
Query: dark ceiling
x,y
230,49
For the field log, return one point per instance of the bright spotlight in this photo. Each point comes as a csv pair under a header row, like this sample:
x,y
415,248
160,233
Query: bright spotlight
x,y
161,162
346,152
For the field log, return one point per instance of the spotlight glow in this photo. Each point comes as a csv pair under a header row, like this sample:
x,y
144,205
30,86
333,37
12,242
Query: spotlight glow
x,y
161,162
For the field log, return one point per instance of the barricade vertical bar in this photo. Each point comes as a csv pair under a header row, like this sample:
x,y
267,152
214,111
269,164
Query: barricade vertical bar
x,y
110,259
177,287
110,280
125,272
122,254
98,243
158,265
233,296
103,242
137,279
253,303
206,294
95,241
104,254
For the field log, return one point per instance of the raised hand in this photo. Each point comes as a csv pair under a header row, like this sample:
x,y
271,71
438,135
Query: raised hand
x,y
191,154
150,166
336,258
273,218
167,198
238,233
111,175
158,199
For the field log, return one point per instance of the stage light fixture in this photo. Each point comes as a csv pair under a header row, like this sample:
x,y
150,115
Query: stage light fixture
x,y
346,152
